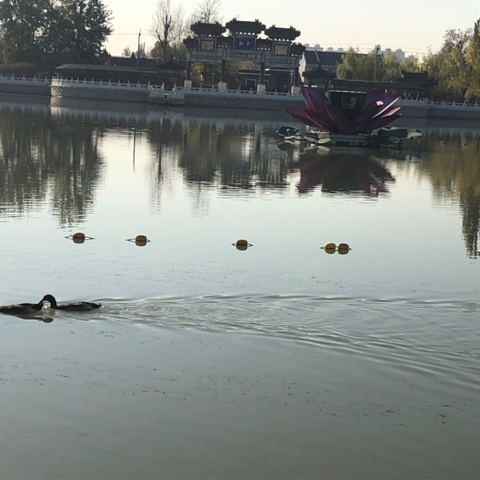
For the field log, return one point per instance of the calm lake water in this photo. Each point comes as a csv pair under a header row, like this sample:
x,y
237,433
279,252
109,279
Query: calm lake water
x,y
206,361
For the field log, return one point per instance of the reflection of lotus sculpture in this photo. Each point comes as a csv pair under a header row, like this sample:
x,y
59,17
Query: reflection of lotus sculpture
x,y
341,172
346,113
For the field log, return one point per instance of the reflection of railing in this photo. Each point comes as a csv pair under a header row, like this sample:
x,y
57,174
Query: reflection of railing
x,y
11,80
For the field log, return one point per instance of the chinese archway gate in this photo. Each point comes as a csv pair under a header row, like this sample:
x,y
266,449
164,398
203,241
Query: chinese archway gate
x,y
242,43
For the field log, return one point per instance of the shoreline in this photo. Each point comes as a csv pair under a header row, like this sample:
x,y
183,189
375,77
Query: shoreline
x,y
207,98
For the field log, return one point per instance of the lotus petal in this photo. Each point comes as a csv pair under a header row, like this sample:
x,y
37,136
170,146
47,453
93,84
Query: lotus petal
x,y
342,123
373,96
321,118
378,122
388,99
314,99
386,109
299,114
379,111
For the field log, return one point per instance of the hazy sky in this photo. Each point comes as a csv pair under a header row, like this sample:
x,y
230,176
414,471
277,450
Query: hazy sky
x,y
412,25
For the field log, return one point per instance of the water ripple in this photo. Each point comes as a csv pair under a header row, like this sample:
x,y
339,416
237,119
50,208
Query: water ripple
x,y
412,334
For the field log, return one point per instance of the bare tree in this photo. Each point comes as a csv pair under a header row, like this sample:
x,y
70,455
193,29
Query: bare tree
x,y
167,26
208,11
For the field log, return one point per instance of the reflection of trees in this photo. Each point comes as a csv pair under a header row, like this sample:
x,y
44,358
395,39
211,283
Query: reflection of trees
x,y
41,160
454,169
225,154
341,172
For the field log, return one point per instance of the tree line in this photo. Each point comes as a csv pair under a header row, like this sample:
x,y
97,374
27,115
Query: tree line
x,y
456,66
31,29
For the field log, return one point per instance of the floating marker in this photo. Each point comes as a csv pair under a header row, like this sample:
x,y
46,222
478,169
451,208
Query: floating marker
x,y
242,244
329,248
140,240
341,248
79,237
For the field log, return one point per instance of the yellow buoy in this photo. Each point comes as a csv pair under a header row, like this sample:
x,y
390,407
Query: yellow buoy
x,y
343,248
329,250
241,247
141,240
78,237
241,243
329,246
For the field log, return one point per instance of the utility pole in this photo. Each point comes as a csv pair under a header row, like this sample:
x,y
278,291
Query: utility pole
x,y
138,48
377,49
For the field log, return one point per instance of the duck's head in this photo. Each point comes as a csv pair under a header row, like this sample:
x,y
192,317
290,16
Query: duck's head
x,y
50,299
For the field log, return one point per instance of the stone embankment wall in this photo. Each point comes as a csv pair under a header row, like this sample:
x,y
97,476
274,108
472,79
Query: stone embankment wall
x,y
104,94
257,102
24,86
93,90
439,110
201,97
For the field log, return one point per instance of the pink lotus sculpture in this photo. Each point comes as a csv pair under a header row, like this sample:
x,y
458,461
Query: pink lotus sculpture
x,y
377,111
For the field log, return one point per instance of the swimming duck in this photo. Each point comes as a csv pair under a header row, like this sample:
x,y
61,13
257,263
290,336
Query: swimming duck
x,y
71,307
22,308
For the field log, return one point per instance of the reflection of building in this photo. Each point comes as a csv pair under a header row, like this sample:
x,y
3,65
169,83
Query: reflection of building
x,y
275,50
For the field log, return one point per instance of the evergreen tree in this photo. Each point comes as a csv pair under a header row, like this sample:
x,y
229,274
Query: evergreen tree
x,y
32,28
24,24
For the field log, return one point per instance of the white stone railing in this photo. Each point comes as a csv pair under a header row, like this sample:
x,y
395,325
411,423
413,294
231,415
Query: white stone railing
x,y
158,91
77,83
236,93
12,80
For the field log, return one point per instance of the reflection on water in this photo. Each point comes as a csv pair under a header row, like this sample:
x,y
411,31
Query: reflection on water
x,y
341,172
43,160
53,154
249,362
453,168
